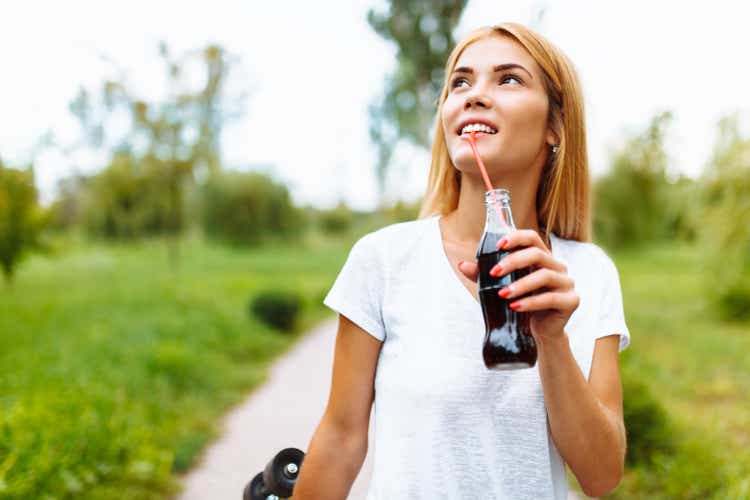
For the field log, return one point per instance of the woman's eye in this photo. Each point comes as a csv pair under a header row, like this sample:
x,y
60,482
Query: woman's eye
x,y
511,77
458,81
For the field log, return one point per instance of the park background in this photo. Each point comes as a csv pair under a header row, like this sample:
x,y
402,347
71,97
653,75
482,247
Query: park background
x,y
181,183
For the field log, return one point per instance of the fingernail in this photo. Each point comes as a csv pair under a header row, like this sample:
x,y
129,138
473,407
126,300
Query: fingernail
x,y
515,305
495,271
460,262
505,292
502,242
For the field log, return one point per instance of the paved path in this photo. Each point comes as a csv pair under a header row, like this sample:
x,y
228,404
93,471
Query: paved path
x,y
283,413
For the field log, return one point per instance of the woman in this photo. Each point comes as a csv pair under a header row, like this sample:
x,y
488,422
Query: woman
x,y
411,328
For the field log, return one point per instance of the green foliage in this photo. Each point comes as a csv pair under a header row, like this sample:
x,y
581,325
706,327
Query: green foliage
x,y
247,208
66,209
22,220
423,35
725,229
697,370
683,211
166,145
115,371
278,309
649,430
130,199
337,220
631,201
402,211
693,471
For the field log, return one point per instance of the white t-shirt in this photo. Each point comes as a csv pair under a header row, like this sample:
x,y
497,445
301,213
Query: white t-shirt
x,y
446,426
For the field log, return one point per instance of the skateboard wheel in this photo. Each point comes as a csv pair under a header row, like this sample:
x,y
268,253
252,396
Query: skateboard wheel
x,y
256,489
280,475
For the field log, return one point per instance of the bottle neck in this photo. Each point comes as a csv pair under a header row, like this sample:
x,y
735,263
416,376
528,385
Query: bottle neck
x,y
499,219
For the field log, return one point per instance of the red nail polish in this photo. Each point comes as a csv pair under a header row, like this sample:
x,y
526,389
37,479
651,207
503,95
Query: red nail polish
x,y
495,271
502,242
515,305
504,293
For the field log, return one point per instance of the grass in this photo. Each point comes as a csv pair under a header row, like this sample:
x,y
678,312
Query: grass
x,y
697,366
115,368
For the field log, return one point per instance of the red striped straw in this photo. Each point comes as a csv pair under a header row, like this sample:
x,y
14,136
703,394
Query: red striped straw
x,y
472,142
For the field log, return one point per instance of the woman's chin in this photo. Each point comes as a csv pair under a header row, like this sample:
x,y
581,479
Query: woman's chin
x,y
467,163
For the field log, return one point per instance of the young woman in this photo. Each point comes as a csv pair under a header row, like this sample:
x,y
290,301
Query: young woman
x,y
411,328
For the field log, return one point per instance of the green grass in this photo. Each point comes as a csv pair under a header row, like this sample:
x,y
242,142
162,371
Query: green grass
x,y
697,366
115,368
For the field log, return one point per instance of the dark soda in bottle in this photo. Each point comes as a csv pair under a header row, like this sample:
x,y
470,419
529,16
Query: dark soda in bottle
x,y
508,343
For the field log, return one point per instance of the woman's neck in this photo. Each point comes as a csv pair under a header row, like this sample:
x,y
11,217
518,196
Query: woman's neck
x,y
465,225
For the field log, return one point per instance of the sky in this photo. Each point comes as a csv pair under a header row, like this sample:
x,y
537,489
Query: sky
x,y
312,68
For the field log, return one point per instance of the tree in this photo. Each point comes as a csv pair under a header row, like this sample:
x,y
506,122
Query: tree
x,y
631,200
174,139
21,218
724,229
247,208
423,34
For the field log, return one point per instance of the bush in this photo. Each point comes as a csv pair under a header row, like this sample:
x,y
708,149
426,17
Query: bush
x,y
247,208
402,211
664,460
649,429
725,230
693,471
337,220
631,201
22,220
277,309
132,199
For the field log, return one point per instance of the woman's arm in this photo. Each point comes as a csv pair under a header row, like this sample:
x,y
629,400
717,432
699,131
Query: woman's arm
x,y
339,444
585,418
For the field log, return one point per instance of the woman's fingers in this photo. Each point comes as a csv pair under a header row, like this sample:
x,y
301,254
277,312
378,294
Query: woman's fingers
x,y
542,278
468,269
521,238
520,259
561,301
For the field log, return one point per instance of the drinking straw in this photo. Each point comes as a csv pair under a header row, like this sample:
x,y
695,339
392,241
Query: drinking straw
x,y
471,139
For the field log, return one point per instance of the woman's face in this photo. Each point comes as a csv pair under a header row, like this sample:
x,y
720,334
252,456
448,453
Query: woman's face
x,y
496,82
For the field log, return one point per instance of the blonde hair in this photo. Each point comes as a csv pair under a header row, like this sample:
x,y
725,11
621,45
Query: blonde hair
x,y
563,204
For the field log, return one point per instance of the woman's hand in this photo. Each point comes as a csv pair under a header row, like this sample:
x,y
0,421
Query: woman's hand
x,y
555,298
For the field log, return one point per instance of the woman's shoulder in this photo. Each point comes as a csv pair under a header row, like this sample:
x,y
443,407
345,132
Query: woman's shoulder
x,y
583,254
399,235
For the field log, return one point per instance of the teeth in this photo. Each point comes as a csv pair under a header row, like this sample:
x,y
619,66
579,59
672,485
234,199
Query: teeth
x,y
477,127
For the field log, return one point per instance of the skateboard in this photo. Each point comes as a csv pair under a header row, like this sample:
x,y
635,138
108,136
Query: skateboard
x,y
277,480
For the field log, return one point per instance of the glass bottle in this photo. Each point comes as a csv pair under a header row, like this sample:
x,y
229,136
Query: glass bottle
x,y
508,343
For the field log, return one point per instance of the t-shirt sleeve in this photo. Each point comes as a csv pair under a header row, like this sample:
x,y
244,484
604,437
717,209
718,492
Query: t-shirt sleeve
x,y
358,290
612,315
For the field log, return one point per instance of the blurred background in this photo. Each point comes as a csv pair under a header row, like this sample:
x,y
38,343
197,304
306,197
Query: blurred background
x,y
165,165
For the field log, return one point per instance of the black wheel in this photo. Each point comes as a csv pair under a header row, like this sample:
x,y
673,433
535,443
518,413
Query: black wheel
x,y
256,489
280,475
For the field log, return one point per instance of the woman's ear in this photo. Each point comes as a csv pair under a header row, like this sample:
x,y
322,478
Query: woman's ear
x,y
552,139
554,129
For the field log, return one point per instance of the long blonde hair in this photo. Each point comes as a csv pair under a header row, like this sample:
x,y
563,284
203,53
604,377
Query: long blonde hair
x,y
563,204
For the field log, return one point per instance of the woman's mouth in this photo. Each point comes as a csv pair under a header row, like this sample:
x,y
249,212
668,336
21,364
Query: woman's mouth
x,y
478,128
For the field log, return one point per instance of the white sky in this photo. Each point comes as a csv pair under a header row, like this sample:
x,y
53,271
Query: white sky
x,y
313,67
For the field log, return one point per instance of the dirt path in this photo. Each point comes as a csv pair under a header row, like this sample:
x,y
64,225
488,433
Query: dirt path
x,y
283,413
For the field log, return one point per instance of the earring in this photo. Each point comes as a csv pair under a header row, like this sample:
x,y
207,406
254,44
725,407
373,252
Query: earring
x,y
555,148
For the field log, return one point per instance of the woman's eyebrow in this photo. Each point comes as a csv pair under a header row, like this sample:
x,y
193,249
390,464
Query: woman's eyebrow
x,y
495,69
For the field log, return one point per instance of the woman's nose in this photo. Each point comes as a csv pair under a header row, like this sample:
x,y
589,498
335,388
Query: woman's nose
x,y
477,99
